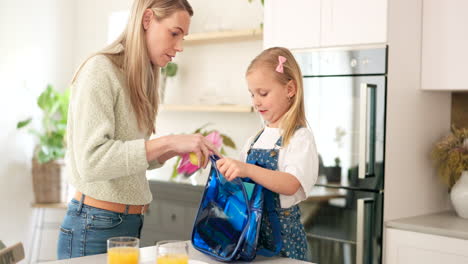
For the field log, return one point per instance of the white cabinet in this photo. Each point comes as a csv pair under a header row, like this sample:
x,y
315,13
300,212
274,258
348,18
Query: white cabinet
x,y
47,219
404,247
444,45
319,23
349,22
171,213
291,24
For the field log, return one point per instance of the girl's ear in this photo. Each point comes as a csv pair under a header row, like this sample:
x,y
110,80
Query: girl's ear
x,y
291,88
147,16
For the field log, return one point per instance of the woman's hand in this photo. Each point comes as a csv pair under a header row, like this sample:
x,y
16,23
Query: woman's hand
x,y
232,168
166,147
195,143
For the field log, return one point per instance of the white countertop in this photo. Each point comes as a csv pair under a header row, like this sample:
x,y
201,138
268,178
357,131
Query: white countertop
x,y
148,256
443,224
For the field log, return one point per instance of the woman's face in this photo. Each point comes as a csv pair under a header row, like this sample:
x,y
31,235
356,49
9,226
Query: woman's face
x,y
164,38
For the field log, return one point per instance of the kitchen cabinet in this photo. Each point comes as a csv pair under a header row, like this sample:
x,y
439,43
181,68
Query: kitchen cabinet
x,y
444,52
431,238
346,22
171,213
413,247
47,219
292,24
319,23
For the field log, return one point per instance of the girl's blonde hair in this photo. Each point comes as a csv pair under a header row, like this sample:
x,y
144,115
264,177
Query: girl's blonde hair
x,y
141,76
295,116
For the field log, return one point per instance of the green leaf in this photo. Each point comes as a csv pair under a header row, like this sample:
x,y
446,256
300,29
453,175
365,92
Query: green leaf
x,y
202,127
51,137
174,169
47,99
227,141
23,123
171,69
223,152
64,102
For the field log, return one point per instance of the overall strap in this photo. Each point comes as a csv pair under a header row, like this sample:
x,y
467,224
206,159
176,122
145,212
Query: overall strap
x,y
279,141
256,137
255,140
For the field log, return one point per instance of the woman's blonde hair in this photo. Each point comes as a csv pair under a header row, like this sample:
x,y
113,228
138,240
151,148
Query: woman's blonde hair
x,y
141,76
295,116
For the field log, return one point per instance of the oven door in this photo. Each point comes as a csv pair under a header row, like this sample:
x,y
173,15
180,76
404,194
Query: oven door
x,y
347,117
343,226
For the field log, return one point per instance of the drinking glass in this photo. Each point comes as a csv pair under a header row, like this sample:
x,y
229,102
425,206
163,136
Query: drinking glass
x,y
172,252
123,250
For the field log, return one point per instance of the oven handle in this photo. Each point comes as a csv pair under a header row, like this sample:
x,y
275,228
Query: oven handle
x,y
361,222
363,128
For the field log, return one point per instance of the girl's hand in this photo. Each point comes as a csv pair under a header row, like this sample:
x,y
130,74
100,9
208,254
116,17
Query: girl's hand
x,y
195,143
231,168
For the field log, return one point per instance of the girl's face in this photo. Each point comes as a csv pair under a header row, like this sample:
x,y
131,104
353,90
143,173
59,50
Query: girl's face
x,y
164,38
269,97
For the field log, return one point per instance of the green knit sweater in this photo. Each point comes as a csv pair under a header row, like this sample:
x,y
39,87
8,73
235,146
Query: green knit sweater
x,y
106,156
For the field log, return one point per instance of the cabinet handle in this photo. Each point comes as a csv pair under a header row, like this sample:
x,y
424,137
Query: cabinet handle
x,y
360,233
363,128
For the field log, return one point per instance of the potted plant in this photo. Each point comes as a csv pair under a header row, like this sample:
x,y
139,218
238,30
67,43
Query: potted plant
x,y
169,71
49,152
450,156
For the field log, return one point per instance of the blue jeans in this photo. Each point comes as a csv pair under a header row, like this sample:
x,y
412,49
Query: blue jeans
x,y
85,229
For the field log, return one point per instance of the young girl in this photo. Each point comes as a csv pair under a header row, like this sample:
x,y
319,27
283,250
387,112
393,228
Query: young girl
x,y
284,150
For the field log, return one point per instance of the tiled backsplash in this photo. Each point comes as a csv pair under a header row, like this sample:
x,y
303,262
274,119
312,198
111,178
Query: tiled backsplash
x,y
460,109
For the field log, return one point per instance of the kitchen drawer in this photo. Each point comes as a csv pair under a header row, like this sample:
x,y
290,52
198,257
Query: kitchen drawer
x,y
172,217
190,214
171,213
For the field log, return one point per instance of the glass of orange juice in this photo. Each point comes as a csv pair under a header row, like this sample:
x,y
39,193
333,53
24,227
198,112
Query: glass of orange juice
x,y
172,252
123,250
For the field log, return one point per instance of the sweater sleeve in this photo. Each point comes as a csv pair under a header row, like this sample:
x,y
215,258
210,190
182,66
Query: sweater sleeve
x,y
98,155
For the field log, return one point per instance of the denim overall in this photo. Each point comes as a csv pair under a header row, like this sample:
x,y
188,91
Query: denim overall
x,y
292,231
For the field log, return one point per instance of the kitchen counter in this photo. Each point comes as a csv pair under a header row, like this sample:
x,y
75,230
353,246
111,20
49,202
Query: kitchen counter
x,y
443,224
148,256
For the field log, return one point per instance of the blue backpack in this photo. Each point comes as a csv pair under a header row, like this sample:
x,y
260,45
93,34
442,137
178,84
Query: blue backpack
x,y
228,221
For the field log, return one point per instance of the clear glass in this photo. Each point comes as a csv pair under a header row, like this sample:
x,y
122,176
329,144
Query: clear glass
x,y
172,252
123,250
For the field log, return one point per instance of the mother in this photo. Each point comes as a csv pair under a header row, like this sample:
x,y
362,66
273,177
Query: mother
x,y
112,113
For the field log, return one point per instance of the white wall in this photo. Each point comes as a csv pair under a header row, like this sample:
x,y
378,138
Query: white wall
x,y
92,25
416,119
37,43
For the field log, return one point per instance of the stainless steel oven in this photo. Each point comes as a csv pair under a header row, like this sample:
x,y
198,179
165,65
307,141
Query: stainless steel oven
x,y
345,100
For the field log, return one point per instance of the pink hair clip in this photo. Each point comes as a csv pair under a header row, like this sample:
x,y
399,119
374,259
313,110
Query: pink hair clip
x,y
281,60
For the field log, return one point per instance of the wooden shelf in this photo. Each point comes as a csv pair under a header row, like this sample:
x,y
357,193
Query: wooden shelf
x,y
207,108
223,36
